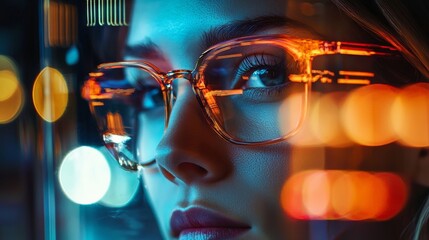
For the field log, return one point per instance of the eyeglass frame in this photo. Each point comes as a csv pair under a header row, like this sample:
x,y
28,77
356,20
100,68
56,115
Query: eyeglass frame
x,y
303,49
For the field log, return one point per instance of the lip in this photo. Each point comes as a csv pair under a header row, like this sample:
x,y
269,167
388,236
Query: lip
x,y
200,223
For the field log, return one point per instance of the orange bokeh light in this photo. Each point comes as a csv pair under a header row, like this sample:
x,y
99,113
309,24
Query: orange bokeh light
x,y
343,194
50,94
292,114
315,194
410,115
306,135
369,197
348,195
397,192
291,196
366,115
325,121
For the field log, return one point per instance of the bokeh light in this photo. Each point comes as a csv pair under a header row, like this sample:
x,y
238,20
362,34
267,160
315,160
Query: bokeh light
x,y
346,195
397,192
306,135
366,115
72,55
84,175
288,118
123,185
12,106
324,119
316,187
292,197
343,193
410,115
11,92
50,94
9,84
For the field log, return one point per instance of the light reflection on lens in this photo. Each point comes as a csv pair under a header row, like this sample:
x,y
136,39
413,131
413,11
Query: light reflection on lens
x,y
410,115
348,195
84,175
50,94
366,115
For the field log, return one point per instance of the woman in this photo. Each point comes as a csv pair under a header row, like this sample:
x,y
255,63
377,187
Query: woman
x,y
219,170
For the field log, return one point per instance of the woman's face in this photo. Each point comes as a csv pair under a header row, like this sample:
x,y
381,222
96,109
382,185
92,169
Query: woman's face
x,y
203,187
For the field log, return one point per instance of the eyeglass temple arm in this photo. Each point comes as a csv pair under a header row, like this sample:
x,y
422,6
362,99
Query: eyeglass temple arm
x,y
358,49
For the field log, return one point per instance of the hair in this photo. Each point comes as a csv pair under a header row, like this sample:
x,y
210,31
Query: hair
x,y
400,23
403,25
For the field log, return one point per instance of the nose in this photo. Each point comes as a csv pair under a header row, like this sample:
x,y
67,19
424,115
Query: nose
x,y
190,151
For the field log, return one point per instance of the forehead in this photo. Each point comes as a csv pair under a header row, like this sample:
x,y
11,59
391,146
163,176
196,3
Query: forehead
x,y
187,19
176,26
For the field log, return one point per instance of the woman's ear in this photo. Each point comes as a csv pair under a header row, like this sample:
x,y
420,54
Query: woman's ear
x,y
421,174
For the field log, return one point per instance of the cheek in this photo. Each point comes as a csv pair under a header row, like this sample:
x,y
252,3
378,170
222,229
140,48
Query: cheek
x,y
257,182
265,171
150,133
159,192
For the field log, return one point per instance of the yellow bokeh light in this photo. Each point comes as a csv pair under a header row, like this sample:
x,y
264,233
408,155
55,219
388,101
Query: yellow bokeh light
x,y
366,115
8,84
7,64
11,92
410,115
11,107
50,94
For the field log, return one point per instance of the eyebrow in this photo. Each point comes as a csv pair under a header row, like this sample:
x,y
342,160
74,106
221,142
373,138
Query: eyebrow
x,y
234,29
248,27
145,48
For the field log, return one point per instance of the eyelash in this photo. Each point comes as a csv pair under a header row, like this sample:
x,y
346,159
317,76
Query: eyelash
x,y
256,61
252,62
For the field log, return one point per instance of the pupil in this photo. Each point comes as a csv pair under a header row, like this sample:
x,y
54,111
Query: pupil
x,y
270,77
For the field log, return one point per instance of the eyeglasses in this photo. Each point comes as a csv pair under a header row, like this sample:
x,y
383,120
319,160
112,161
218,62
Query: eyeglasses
x,y
252,90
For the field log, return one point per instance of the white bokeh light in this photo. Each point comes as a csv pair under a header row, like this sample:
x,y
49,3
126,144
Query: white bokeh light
x,y
84,175
123,186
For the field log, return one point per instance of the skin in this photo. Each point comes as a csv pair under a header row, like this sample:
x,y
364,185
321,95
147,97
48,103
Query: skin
x,y
196,167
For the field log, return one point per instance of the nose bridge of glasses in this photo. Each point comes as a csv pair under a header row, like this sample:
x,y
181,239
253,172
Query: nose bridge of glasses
x,y
179,73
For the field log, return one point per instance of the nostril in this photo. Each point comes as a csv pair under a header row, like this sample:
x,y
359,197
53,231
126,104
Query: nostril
x,y
192,172
167,174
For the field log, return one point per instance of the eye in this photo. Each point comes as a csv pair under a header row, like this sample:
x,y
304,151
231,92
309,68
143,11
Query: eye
x,y
150,94
266,77
151,98
258,71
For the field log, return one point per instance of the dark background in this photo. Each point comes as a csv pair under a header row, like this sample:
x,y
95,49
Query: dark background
x,y
31,149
